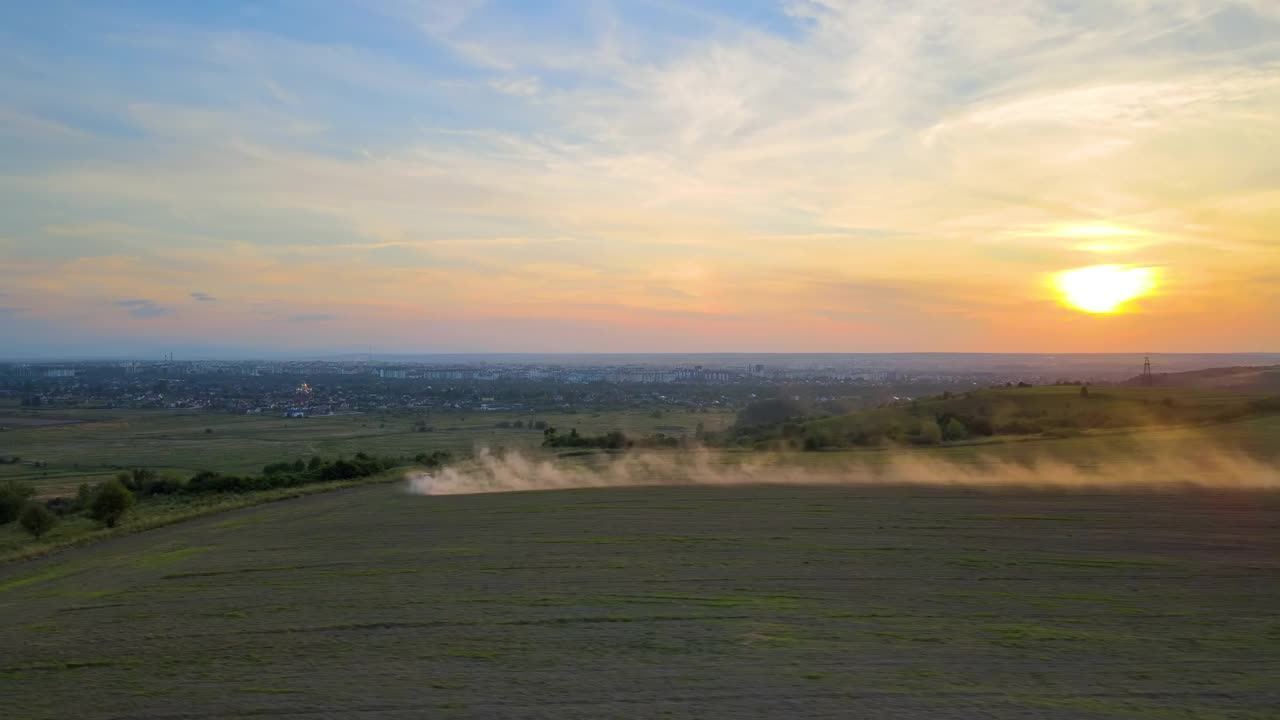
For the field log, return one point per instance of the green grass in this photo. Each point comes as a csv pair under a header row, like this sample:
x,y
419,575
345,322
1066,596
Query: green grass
x,y
1059,411
76,530
176,441
373,602
701,601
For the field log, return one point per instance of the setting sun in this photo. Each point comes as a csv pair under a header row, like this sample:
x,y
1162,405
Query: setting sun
x,y
1104,288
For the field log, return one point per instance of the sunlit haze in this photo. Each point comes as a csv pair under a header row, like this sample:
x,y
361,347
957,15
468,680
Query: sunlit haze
x,y
1104,288
639,176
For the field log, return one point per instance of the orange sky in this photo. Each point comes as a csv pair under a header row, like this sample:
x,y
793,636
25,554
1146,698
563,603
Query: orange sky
x,y
802,176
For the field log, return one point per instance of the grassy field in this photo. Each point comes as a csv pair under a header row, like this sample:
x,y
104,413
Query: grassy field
x,y
1046,411
78,529
186,442
687,602
1257,437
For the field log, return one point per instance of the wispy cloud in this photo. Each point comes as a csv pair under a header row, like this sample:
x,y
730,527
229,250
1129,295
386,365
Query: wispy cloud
x,y
143,308
925,162
311,317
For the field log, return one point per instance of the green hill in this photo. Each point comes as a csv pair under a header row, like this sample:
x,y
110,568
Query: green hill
x,y
1257,379
983,415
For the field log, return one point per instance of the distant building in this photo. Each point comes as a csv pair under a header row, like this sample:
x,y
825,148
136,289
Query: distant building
x,y
302,396
393,373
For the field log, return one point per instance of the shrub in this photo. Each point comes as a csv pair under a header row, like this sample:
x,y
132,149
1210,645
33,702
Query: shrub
x,y
61,505
930,433
340,470
612,440
432,460
37,520
954,430
279,468
164,486
13,495
111,502
144,482
84,496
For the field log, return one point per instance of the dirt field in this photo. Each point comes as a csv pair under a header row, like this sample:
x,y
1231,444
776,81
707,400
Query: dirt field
x,y
689,602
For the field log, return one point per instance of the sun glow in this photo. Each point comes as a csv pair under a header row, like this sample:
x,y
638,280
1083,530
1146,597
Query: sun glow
x,y
1088,231
1104,288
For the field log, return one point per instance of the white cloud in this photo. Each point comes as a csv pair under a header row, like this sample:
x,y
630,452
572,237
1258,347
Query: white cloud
x,y
901,133
518,86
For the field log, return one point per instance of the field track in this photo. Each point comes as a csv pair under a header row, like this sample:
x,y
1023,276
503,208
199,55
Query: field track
x,y
689,602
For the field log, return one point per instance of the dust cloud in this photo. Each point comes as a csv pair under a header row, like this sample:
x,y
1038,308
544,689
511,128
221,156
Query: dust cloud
x,y
513,472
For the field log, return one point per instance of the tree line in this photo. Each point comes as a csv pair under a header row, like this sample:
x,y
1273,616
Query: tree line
x,y
613,440
108,502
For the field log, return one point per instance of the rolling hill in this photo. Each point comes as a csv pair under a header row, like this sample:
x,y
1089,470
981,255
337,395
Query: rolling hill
x,y
990,414
1257,379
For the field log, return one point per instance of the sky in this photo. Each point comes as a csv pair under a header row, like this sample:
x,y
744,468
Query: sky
x,y
303,176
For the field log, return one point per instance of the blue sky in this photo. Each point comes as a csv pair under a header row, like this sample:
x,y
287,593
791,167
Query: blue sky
x,y
799,175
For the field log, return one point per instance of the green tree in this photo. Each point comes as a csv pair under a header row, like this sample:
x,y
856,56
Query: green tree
x,y
930,433
13,495
955,430
111,502
1084,391
37,520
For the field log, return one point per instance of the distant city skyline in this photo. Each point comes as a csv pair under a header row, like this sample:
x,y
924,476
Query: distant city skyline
x,y
284,178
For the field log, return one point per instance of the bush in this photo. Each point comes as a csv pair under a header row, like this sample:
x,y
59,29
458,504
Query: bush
x,y
144,482
930,433
954,430
61,506
37,520
612,440
111,502
13,495
432,460
340,470
85,495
